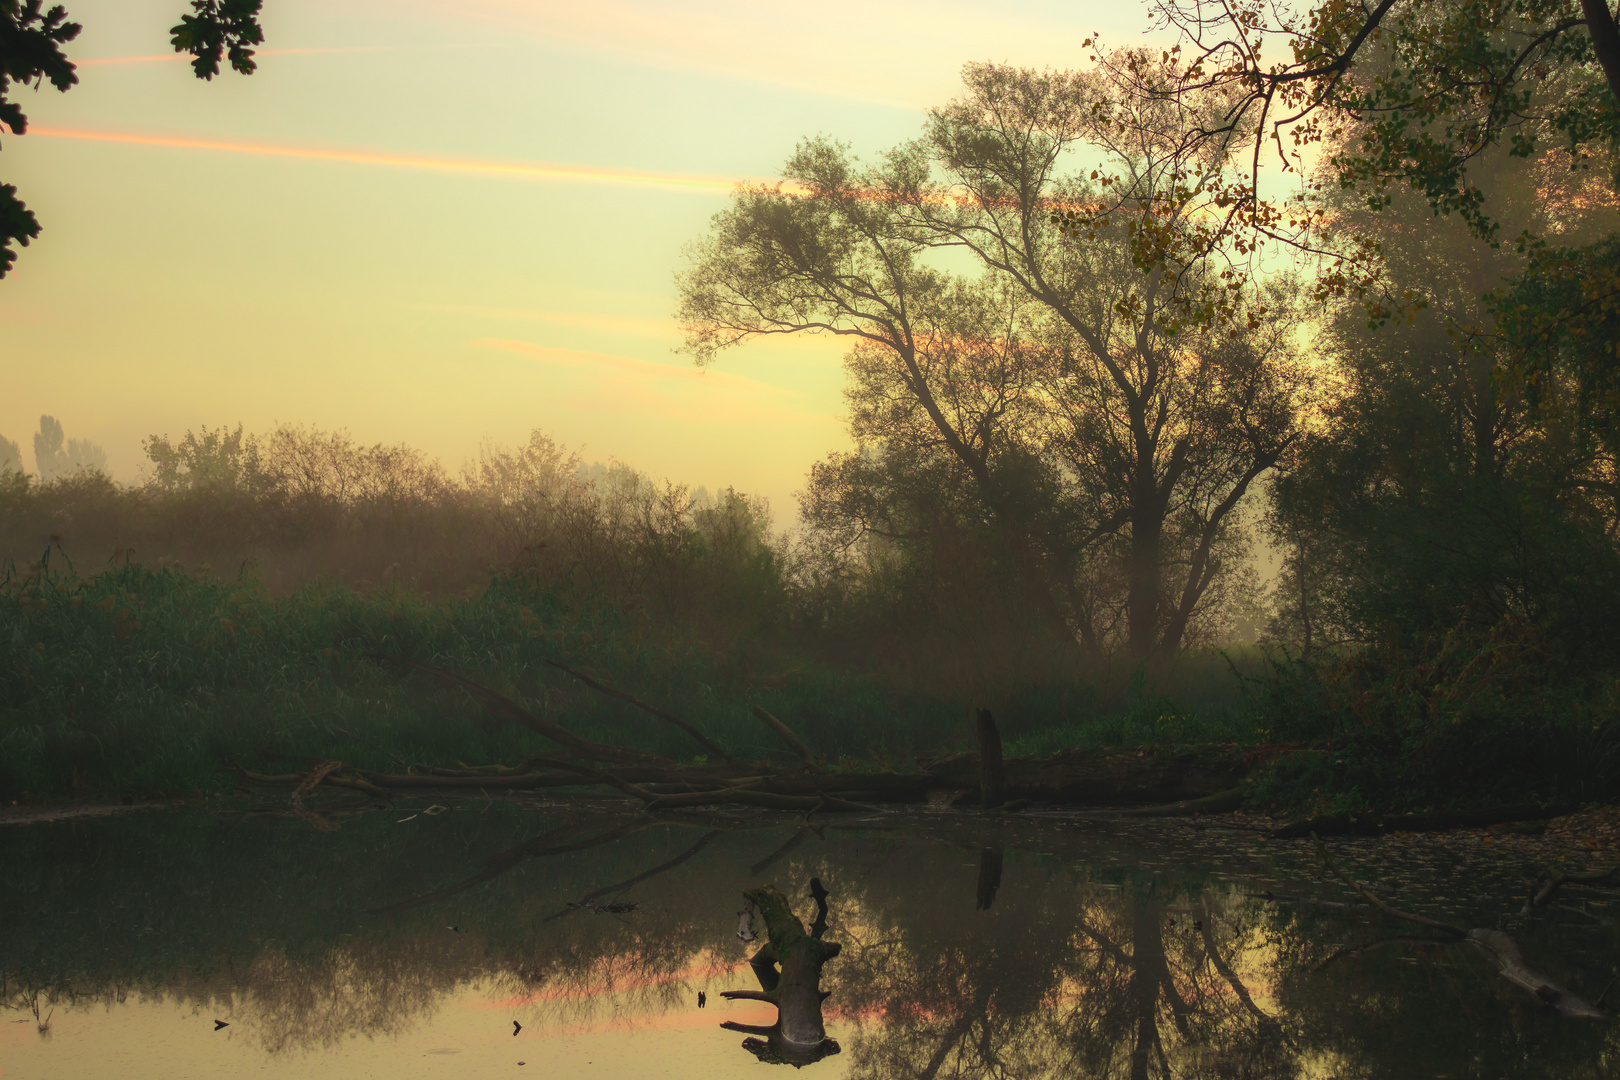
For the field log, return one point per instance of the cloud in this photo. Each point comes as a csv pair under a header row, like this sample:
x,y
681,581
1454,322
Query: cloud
x,y
628,386
596,361
485,167
164,58
613,324
898,54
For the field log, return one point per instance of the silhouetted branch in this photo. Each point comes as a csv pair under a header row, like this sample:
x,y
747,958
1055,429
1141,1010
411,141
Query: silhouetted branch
x,y
702,740
786,735
503,706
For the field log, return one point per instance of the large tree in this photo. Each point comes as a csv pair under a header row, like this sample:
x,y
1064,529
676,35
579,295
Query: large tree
x,y
1104,409
31,40
1441,490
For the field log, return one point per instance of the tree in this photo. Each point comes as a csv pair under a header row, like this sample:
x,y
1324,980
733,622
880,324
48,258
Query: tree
x,y
1104,412
1427,87
1403,94
10,456
1441,491
31,41
56,456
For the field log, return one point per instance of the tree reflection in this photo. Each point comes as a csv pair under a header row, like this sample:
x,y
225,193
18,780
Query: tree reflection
x,y
967,960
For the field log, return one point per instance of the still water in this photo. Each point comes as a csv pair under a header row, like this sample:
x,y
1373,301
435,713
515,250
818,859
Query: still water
x,y
491,940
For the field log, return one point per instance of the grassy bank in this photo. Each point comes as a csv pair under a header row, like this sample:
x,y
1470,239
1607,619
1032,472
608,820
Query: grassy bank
x,y
150,681
142,681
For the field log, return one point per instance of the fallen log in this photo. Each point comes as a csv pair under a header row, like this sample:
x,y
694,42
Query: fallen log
x,y
1360,823
300,778
1222,802
767,799
1103,778
1543,896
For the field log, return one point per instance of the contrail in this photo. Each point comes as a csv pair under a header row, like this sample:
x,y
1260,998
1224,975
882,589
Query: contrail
x,y
158,58
490,167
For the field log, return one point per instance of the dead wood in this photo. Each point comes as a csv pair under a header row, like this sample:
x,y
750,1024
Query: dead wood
x,y
767,799
992,771
1102,778
1219,803
1370,824
701,739
785,734
1494,944
1540,898
501,705
299,778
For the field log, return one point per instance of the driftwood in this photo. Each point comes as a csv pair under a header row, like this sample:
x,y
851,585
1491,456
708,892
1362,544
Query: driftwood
x,y
1494,944
1370,824
788,967
1104,778
1219,803
1540,898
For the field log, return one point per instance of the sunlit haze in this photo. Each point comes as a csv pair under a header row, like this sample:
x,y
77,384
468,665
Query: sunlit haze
x,y
445,222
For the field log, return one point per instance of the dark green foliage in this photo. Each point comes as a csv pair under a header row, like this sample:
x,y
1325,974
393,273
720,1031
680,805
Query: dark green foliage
x,y
1451,720
31,43
217,27
146,681
31,40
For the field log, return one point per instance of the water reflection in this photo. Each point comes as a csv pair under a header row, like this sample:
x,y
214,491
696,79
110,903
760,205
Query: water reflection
x,y
989,954
788,967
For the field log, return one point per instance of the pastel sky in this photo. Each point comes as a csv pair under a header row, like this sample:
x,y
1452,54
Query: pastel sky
x,y
446,222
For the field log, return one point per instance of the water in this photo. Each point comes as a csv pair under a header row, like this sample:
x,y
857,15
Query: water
x,y
971,947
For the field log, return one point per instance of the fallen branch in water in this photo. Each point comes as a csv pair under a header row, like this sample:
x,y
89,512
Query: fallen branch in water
x,y
1496,945
1542,897
1221,802
1370,824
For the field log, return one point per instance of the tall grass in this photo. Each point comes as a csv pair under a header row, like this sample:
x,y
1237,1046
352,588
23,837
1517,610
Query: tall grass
x,y
146,681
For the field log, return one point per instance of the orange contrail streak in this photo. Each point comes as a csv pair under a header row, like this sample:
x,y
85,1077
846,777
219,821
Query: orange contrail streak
x,y
516,170
156,58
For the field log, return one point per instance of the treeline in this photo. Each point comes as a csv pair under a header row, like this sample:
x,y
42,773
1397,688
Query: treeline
x,y
299,505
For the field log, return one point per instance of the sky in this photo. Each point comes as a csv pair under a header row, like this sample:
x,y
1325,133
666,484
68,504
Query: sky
x,y
451,222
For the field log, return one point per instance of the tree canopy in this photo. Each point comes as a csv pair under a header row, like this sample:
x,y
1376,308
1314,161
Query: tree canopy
x,y
31,44
1099,418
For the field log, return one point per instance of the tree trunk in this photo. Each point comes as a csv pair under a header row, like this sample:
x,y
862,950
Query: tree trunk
x,y
992,776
